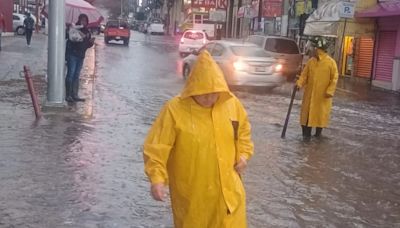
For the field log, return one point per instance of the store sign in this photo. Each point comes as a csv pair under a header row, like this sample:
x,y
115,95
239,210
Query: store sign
x,y
272,8
222,4
347,9
204,3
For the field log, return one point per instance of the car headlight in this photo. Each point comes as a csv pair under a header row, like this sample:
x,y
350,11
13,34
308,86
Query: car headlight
x,y
278,67
240,65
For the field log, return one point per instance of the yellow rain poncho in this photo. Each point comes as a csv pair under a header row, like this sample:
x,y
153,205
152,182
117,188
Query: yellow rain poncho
x,y
319,78
193,149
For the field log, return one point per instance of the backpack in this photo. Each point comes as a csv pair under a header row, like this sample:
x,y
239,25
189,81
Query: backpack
x,y
29,23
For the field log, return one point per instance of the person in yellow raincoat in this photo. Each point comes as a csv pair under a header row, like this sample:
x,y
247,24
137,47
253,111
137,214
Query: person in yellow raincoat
x,y
198,146
319,78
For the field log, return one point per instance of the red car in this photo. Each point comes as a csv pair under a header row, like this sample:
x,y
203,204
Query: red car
x,y
117,30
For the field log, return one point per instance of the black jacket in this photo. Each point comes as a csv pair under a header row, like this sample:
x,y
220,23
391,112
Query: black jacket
x,y
78,49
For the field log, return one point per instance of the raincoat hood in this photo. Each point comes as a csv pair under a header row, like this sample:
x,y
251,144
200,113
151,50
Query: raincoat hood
x,y
206,77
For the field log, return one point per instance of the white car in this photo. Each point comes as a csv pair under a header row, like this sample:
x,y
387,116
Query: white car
x,y
156,27
192,40
243,64
18,23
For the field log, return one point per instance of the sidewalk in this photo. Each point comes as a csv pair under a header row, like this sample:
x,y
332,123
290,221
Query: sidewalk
x,y
14,96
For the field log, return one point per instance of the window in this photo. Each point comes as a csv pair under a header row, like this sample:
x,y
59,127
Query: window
x,y
218,50
112,24
207,47
257,40
156,21
197,19
15,18
281,46
248,51
193,35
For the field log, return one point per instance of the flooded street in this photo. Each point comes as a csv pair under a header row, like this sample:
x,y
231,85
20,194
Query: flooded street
x,y
87,171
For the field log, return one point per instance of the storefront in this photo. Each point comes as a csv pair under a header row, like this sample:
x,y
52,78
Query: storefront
x,y
354,38
386,73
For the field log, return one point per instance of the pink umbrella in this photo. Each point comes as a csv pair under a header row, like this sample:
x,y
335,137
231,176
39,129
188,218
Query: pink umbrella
x,y
73,8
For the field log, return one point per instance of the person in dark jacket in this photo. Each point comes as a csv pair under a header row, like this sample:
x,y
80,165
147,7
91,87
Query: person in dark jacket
x,y
75,56
29,25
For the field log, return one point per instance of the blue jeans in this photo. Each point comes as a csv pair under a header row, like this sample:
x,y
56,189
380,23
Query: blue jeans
x,y
74,67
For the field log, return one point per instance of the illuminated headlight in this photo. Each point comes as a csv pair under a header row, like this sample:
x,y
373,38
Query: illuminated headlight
x,y
240,66
278,67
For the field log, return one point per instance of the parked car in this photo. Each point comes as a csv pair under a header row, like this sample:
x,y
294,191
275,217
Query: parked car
x,y
156,27
243,64
192,40
18,23
282,48
117,30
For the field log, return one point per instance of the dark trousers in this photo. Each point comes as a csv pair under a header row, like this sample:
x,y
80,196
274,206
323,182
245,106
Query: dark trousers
x,y
28,35
307,131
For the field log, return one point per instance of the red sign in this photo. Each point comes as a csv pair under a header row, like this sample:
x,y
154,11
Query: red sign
x,y
204,3
272,8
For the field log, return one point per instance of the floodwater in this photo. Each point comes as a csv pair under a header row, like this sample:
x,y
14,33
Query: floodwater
x,y
69,170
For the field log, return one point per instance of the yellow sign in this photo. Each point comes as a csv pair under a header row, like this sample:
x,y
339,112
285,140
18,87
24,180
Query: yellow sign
x,y
301,9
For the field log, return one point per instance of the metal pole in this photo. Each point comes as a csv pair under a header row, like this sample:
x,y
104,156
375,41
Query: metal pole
x,y
341,57
37,16
56,53
121,8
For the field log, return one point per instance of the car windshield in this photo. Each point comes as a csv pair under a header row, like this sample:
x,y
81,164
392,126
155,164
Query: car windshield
x,y
258,40
112,24
193,35
248,51
156,21
124,25
281,46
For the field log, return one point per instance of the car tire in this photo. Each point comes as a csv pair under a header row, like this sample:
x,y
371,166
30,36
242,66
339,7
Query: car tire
x,y
20,31
126,42
186,71
106,40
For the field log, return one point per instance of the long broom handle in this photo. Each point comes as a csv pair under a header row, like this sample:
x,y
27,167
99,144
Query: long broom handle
x,y
289,111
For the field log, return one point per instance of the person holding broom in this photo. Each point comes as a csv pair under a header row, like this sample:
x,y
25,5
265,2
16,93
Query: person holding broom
x,y
319,79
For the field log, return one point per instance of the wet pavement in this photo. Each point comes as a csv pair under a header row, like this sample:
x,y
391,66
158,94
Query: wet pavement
x,y
77,170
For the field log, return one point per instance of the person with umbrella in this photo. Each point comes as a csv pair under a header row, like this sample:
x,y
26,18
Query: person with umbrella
x,y
75,55
319,78
199,146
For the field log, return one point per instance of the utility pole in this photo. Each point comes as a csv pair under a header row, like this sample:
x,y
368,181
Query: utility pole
x,y
56,53
121,7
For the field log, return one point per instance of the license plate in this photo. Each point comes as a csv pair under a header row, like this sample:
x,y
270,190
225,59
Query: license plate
x,y
260,69
118,37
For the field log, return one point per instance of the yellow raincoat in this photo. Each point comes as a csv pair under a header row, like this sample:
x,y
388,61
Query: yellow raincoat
x,y
319,78
194,149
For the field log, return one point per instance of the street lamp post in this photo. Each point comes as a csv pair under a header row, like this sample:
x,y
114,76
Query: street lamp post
x,y
56,53
122,1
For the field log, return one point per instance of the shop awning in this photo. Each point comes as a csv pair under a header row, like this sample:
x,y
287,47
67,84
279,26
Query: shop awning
x,y
325,20
384,9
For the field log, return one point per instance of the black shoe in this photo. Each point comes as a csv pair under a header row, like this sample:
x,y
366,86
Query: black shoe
x,y
69,99
318,132
78,99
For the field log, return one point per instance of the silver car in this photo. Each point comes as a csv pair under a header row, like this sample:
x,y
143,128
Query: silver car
x,y
282,48
242,64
